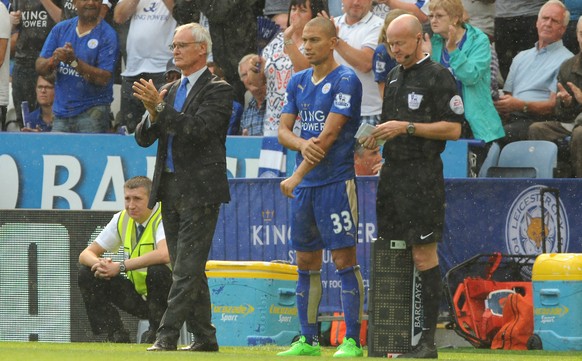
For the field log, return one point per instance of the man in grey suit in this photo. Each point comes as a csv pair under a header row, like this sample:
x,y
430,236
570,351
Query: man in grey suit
x,y
189,119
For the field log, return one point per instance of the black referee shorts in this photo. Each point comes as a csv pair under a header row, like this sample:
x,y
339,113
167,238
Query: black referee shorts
x,y
410,202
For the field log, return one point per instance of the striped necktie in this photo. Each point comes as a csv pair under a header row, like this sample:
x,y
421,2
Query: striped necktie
x,y
139,231
178,105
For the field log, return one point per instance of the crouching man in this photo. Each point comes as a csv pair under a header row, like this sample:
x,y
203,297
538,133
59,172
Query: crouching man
x,y
140,283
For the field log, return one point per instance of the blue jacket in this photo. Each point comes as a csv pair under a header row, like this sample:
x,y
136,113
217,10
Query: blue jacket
x,y
472,67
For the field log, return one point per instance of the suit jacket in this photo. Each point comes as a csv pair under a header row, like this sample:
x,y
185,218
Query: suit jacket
x,y
199,145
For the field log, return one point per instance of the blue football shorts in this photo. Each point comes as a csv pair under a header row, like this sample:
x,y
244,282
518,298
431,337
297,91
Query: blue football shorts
x,y
324,217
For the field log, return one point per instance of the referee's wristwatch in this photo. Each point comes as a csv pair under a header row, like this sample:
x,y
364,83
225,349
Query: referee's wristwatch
x,y
410,128
122,266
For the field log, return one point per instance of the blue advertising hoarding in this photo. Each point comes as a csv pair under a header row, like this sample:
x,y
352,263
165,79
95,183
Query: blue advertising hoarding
x,y
87,171
57,171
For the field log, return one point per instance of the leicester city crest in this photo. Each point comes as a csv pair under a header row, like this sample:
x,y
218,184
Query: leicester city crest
x,y
524,232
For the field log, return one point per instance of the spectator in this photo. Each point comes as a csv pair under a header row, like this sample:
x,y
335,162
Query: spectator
x,y
358,34
41,120
83,50
283,56
530,88
570,37
383,62
367,161
466,52
515,29
233,28
32,20
151,23
254,114
5,34
418,8
568,110
139,284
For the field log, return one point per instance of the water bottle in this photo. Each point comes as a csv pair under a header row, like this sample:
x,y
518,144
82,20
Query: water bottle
x,y
25,114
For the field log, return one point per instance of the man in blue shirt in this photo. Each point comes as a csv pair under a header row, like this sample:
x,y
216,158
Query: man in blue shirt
x,y
327,98
83,51
530,87
253,115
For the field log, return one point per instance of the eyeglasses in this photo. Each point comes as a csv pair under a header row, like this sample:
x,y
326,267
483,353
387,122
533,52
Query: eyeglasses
x,y
182,45
44,87
437,17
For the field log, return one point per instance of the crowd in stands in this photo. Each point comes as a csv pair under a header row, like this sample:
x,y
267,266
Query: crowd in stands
x,y
513,61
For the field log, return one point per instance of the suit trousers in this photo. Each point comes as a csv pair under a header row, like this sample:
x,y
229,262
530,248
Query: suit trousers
x,y
189,232
101,296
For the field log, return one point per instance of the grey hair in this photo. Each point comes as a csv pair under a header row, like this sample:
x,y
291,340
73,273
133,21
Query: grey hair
x,y
560,4
244,60
199,33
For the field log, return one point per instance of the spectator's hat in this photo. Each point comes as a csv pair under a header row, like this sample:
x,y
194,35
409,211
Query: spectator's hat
x,y
273,7
171,66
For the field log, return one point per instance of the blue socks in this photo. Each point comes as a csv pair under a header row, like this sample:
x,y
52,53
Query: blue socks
x,y
308,294
352,301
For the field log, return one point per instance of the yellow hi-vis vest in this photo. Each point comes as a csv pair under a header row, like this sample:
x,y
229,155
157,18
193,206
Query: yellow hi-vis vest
x,y
126,227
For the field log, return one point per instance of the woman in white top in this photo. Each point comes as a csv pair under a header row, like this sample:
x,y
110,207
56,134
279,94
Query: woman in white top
x,y
281,58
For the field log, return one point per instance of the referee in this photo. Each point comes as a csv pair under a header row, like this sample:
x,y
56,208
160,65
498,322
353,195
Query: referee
x,y
421,110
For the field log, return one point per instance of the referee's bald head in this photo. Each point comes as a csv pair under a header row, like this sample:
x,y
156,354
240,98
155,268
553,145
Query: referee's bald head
x,y
406,23
326,25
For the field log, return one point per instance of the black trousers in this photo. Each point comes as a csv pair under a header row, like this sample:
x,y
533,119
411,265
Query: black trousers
x,y
189,232
103,297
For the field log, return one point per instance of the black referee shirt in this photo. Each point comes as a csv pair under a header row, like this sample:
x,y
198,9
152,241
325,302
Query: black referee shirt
x,y
423,93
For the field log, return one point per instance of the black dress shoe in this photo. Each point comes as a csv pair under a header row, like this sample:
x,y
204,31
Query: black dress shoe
x,y
161,345
198,346
422,350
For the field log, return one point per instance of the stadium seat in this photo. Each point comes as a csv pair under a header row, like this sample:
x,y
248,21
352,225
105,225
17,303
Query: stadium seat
x,y
491,159
526,159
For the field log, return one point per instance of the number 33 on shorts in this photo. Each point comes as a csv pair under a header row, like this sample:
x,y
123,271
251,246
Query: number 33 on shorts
x,y
342,221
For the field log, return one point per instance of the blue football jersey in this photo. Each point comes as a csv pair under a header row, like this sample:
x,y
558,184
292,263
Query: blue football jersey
x,y
339,92
73,93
